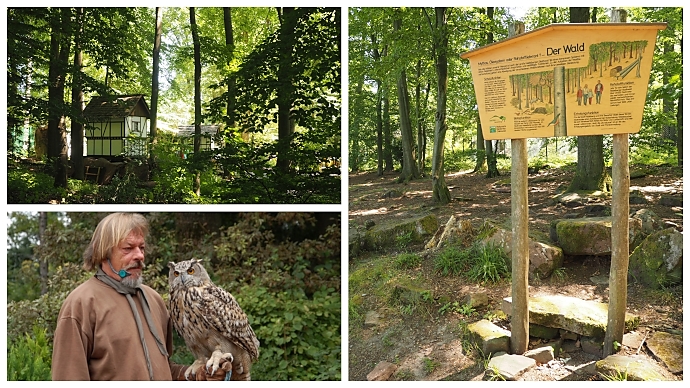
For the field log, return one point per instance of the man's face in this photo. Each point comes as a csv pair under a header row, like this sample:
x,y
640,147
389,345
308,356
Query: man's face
x,y
128,255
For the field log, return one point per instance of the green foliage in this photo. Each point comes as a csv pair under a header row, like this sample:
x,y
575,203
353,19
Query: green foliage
x,y
404,240
30,186
29,357
489,264
430,365
451,261
300,336
479,263
407,261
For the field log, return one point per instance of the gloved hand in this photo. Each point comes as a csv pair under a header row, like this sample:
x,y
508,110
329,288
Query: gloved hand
x,y
202,374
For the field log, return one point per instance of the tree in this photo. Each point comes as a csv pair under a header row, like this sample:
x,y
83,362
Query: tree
x,y
158,30
286,124
77,133
59,52
590,173
440,192
197,98
409,167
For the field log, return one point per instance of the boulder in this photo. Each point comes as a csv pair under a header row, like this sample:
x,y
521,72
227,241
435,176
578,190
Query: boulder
x,y
543,258
386,233
510,366
489,337
382,371
668,348
587,318
650,221
590,236
630,368
658,261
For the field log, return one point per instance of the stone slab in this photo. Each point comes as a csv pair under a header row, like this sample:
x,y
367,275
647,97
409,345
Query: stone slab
x,y
668,348
511,366
587,318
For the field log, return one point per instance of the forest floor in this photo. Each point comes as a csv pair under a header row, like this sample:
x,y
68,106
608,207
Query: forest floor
x,y
427,343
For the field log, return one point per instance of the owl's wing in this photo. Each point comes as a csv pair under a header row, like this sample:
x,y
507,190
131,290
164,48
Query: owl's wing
x,y
221,311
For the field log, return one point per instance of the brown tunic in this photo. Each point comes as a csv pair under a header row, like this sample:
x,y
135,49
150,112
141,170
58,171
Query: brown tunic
x,y
97,339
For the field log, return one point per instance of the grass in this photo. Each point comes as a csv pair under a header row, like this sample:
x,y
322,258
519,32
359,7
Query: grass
x,y
407,261
430,365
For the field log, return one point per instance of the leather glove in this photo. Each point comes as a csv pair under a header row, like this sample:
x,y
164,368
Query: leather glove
x,y
225,367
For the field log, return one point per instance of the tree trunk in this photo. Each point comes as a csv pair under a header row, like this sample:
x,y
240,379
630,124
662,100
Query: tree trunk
x,y
197,99
158,28
379,128
409,168
481,149
679,120
77,134
492,169
285,90
590,173
440,192
59,53
43,262
387,132
230,46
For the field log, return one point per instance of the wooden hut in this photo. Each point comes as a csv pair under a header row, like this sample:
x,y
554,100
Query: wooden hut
x,y
116,126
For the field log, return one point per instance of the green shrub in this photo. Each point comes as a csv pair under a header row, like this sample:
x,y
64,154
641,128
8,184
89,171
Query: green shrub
x,y
407,261
28,358
489,264
451,261
25,186
300,336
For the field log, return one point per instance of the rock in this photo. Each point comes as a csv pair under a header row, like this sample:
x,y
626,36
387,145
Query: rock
x,y
543,258
633,340
571,200
658,261
593,346
650,221
393,193
510,366
489,337
355,243
372,319
368,224
386,233
671,200
579,316
382,371
476,299
541,355
590,236
669,349
539,331
636,197
454,230
630,368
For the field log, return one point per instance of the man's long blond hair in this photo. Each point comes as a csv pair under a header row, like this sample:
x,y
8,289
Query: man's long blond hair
x,y
109,233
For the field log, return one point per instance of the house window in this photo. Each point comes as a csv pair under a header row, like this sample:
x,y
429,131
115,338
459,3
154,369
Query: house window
x,y
135,126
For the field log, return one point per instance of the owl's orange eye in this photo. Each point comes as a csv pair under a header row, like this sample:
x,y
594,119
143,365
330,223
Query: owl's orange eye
x,y
190,271
176,274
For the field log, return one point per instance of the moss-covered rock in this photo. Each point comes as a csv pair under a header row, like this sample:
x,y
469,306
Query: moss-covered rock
x,y
658,261
630,368
543,258
488,337
591,236
411,230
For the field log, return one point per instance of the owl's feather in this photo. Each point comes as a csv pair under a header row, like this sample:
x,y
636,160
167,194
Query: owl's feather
x,y
209,318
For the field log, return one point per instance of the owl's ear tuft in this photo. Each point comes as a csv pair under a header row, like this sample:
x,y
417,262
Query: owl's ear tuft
x,y
195,260
171,265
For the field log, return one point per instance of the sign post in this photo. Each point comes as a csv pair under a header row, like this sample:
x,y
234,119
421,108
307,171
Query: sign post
x,y
565,80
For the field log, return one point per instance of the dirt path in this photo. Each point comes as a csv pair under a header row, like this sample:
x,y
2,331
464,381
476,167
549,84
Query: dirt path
x,y
427,344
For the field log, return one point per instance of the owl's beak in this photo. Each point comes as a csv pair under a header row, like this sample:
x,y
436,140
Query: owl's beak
x,y
183,279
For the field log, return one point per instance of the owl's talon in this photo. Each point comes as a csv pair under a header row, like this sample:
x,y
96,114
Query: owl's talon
x,y
216,359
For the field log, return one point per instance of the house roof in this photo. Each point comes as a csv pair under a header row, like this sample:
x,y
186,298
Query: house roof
x,y
102,108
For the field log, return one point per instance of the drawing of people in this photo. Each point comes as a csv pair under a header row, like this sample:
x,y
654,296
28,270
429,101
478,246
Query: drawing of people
x,y
598,89
579,95
585,94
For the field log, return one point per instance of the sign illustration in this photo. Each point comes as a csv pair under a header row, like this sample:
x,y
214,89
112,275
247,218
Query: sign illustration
x,y
564,80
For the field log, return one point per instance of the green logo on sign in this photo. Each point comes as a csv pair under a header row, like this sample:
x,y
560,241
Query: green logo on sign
x,y
492,129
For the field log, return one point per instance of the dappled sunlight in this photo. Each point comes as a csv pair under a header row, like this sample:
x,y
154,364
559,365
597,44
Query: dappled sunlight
x,y
369,212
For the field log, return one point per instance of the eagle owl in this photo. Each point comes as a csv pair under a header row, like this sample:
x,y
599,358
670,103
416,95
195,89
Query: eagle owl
x,y
210,320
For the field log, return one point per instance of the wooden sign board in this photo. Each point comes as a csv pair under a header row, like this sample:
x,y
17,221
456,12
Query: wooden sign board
x,y
564,79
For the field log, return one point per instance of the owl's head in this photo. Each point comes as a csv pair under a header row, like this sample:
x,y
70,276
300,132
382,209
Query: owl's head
x,y
188,273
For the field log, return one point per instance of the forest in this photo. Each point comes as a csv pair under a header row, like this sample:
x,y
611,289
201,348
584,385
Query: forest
x,y
413,107
173,105
283,269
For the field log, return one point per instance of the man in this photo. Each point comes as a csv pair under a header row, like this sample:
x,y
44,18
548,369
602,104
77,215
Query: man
x,y
598,89
112,327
